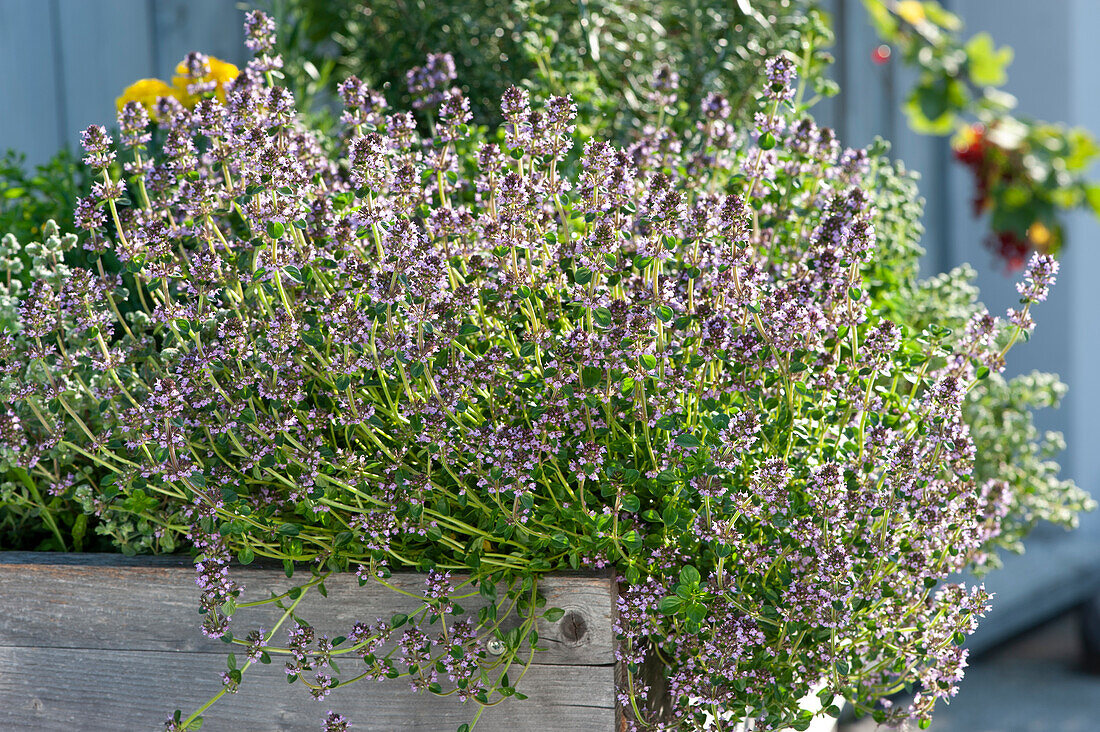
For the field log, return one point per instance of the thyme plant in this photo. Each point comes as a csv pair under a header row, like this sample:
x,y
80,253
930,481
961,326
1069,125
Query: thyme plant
x,y
458,354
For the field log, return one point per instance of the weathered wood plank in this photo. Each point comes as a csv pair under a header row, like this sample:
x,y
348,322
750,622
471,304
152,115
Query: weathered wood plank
x,y
151,604
31,121
110,642
55,689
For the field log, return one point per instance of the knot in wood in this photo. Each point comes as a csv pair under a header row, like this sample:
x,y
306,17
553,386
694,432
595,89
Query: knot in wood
x,y
573,627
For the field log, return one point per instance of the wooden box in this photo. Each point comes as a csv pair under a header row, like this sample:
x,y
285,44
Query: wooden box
x,y
106,642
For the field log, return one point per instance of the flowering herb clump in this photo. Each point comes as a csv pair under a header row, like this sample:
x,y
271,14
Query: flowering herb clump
x,y
466,355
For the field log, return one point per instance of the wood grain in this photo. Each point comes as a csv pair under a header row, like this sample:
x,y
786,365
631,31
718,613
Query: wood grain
x,y
109,642
63,689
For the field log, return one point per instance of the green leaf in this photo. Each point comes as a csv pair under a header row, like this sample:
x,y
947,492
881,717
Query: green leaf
x,y
689,575
294,273
666,477
79,530
1092,194
591,376
688,441
630,502
289,529
554,614
987,64
880,16
932,106
648,361
932,100
246,555
941,17
275,229
669,605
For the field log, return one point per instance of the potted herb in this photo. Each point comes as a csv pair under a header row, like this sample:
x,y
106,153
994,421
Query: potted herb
x,y
491,357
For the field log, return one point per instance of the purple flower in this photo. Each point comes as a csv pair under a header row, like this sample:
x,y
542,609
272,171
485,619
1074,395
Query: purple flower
x,y
259,32
97,145
1041,273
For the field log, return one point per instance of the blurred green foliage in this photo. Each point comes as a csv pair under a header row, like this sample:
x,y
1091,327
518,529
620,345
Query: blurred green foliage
x,y
602,52
31,196
1026,172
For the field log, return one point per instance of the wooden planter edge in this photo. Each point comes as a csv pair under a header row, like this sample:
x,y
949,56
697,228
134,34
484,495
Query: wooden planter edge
x,y
97,640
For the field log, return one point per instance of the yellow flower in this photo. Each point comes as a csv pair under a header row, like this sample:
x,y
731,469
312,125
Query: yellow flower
x,y
911,11
146,92
967,137
1039,234
221,72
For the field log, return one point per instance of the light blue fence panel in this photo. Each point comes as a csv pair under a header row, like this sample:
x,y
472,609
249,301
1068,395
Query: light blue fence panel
x,y
103,46
64,62
214,27
30,118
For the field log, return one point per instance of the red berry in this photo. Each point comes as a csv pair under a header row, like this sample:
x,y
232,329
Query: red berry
x,y
881,54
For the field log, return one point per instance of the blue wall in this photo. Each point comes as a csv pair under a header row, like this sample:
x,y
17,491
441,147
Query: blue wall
x,y
63,62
